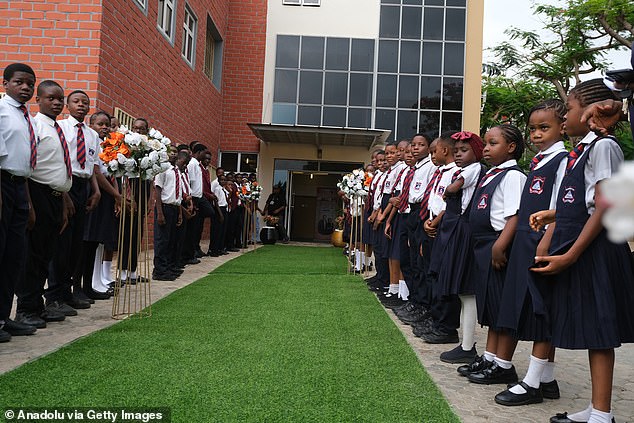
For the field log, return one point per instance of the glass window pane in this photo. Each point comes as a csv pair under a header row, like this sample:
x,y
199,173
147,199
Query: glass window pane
x,y
430,92
452,94
285,89
312,53
310,87
386,90
334,116
429,123
390,19
248,162
385,119
287,52
408,92
336,88
412,19
432,58
388,56
455,28
338,166
359,118
451,121
419,2
309,115
407,125
410,57
459,3
361,89
454,59
435,2
433,24
284,114
390,1
229,161
337,53
362,55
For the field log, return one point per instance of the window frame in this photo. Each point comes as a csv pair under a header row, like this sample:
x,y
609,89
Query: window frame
x,y
162,6
238,160
189,35
141,4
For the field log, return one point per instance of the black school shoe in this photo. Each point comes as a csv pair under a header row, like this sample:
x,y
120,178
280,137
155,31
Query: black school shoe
x,y
563,418
413,317
550,390
494,374
18,329
4,336
421,328
531,396
438,337
477,365
458,355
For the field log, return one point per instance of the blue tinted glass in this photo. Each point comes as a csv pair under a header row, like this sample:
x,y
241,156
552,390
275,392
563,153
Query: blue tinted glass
x,y
285,86
312,53
283,114
287,52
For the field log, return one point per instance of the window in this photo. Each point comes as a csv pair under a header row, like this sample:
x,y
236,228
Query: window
x,y
166,15
301,2
124,118
239,162
213,53
142,5
189,36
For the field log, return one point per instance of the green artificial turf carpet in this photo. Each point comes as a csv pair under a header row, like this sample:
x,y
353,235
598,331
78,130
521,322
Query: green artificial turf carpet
x,y
280,334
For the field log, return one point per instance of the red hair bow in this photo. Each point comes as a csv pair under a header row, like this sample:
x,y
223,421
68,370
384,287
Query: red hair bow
x,y
474,141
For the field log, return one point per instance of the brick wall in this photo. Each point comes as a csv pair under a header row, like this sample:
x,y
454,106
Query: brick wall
x,y
59,39
243,75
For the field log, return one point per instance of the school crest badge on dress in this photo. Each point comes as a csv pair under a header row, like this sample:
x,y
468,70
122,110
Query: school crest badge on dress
x,y
569,195
417,185
483,202
440,191
537,185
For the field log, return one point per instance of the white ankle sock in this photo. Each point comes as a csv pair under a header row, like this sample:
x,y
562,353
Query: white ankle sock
x,y
581,416
597,416
533,374
505,364
469,317
124,275
393,288
488,356
362,261
133,275
549,372
403,291
106,271
357,260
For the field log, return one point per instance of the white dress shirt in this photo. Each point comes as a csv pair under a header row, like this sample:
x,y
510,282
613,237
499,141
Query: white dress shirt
x,y
470,174
195,178
219,192
437,203
51,168
424,171
15,142
167,182
506,197
91,141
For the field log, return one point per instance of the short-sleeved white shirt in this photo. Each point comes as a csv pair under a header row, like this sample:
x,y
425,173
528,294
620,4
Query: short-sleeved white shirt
x,y
51,168
424,171
392,178
15,140
195,178
167,182
437,203
506,197
378,192
470,174
91,142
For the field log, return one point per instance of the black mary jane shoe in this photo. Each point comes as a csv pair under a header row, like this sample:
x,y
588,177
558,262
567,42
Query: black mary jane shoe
x,y
493,375
531,396
563,418
478,364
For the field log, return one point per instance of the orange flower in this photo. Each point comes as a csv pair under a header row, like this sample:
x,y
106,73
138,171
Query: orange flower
x,y
244,190
368,180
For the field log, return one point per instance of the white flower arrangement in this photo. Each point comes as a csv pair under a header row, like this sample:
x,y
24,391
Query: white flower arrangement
x,y
354,184
135,155
249,191
618,193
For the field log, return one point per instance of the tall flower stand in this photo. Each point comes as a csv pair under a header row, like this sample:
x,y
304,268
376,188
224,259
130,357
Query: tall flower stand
x,y
248,228
133,297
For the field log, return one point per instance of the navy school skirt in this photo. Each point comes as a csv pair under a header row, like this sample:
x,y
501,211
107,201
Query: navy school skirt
x,y
454,277
488,281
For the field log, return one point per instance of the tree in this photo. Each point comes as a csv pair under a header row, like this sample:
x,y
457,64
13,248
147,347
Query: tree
x,y
575,41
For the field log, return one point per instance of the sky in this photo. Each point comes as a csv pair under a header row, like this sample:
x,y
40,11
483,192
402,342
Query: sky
x,y
502,14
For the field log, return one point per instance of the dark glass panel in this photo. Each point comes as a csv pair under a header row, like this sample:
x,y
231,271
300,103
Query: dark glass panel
x,y
361,89
410,57
412,20
452,94
285,89
454,59
430,92
429,123
310,87
287,52
388,56
406,125
432,58
390,20
337,53
334,116
433,23
386,91
455,25
336,88
408,92
312,53
309,115
359,118
451,121
362,55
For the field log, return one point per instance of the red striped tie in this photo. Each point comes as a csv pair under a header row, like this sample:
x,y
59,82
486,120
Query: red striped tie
x,y
424,204
81,146
404,198
536,161
177,177
62,140
573,156
490,175
31,137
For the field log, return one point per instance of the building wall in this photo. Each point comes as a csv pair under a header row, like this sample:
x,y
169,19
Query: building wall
x,y
60,40
473,67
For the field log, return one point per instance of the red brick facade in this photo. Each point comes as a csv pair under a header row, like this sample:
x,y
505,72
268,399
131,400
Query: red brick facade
x,y
113,50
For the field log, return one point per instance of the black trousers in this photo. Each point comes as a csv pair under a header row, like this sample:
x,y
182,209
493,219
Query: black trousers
x,y
42,244
195,227
413,280
233,229
165,239
405,260
219,231
66,263
130,248
15,213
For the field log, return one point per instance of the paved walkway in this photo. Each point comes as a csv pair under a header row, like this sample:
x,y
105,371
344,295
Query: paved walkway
x,y
472,403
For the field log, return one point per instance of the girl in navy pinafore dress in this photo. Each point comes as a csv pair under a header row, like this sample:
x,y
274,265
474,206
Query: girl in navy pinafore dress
x,y
493,219
524,310
593,290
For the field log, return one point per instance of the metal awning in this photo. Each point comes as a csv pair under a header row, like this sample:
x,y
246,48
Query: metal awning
x,y
319,135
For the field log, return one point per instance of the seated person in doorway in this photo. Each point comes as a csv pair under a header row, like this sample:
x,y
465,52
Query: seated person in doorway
x,y
276,207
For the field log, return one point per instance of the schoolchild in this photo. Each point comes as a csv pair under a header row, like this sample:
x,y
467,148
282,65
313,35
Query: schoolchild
x,y
396,224
382,278
187,212
364,256
418,303
493,219
593,290
168,195
193,231
454,242
445,310
220,218
102,224
18,154
50,204
524,310
67,264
